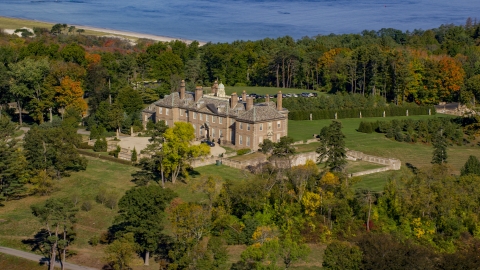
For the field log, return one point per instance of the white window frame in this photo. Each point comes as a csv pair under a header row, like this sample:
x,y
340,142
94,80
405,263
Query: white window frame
x,y
201,116
206,117
240,139
220,120
181,112
194,115
167,111
248,126
248,141
261,126
213,118
278,124
160,110
241,125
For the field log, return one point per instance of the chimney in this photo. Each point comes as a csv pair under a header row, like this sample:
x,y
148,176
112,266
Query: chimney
x,y
215,88
249,103
244,96
279,101
182,89
198,93
267,98
233,100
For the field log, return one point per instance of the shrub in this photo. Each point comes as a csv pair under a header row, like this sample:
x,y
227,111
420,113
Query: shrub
x,y
100,145
134,155
95,240
85,145
111,201
101,197
115,152
243,151
87,206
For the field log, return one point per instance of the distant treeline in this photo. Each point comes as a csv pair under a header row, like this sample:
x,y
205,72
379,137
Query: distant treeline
x,y
59,66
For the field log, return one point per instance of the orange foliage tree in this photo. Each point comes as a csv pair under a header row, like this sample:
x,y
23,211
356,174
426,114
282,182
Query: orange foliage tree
x,y
70,95
451,74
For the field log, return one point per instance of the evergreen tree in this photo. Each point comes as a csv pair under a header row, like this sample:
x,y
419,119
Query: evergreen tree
x,y
141,212
134,155
13,165
439,149
332,147
472,166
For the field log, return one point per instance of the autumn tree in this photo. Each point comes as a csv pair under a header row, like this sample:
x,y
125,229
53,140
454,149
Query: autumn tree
x,y
70,95
178,150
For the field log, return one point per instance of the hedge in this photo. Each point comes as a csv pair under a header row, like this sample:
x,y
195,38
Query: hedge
x,y
355,113
100,156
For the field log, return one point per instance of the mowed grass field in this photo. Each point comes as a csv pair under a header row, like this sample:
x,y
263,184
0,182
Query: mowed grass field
x,y
417,154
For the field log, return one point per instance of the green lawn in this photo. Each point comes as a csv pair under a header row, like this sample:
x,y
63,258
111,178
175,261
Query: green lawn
x,y
262,90
419,155
359,166
15,263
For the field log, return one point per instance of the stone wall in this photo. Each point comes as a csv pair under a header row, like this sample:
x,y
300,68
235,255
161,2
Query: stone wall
x,y
391,163
384,169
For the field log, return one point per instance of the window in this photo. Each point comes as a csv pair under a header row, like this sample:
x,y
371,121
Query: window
x,y
269,125
278,137
201,116
160,110
166,123
220,120
220,133
248,126
146,117
241,125
206,117
186,113
166,111
260,139
213,133
248,141
213,119
194,115
278,124
240,139
181,112
261,126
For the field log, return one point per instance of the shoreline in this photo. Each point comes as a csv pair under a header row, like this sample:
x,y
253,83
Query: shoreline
x,y
109,32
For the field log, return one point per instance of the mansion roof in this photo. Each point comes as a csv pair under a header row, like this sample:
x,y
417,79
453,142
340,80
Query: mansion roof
x,y
219,106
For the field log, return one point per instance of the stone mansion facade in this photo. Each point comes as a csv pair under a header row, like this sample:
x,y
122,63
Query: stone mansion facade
x,y
224,119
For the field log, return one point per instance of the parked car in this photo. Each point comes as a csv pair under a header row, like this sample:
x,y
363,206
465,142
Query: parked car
x,y
288,95
209,143
305,94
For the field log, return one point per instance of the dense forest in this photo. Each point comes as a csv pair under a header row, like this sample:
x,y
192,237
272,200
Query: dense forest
x,y
56,68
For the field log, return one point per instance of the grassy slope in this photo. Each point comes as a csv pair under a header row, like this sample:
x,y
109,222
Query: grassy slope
x,y
377,144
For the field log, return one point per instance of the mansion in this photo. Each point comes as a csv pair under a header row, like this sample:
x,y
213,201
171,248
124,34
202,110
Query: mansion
x,y
223,119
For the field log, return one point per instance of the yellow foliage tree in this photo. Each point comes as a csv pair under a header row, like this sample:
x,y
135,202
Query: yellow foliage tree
x,y
70,95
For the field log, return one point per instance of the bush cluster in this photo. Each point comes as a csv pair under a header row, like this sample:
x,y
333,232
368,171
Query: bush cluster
x,y
100,145
409,130
243,151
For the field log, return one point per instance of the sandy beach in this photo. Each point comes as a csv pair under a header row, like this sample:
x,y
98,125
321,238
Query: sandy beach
x,y
7,23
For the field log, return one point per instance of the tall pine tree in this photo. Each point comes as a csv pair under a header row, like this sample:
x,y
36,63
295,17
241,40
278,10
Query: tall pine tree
x,y
472,166
332,147
439,148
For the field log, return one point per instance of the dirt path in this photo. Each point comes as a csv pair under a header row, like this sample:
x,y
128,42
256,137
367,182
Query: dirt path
x,y
38,258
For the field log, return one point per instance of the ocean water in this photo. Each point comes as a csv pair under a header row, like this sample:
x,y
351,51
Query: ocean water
x,y
229,20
